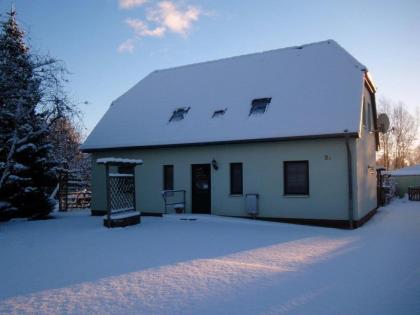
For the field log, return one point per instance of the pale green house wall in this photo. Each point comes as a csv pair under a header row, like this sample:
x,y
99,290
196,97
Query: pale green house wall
x,y
365,163
262,174
98,183
403,182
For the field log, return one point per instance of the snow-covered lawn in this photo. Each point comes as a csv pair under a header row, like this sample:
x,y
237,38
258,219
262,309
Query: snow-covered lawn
x,y
212,265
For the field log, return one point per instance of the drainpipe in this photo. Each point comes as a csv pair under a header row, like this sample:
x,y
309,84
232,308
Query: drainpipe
x,y
350,180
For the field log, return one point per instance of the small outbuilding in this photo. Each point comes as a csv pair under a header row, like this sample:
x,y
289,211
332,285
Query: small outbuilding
x,y
288,134
406,177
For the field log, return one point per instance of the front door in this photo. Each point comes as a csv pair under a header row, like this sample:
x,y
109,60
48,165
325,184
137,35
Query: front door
x,y
201,188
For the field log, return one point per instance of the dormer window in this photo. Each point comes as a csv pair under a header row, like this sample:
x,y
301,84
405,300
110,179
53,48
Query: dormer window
x,y
259,105
219,113
179,114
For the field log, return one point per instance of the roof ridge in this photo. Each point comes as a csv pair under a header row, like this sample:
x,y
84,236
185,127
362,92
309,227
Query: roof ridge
x,y
352,58
328,41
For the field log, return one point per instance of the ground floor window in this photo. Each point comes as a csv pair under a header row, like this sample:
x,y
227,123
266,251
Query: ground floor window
x,y
236,186
168,177
296,178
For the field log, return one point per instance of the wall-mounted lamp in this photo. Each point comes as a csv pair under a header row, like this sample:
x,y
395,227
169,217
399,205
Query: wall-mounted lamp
x,y
214,164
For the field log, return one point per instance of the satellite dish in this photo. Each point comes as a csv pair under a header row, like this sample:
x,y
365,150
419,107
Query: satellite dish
x,y
383,123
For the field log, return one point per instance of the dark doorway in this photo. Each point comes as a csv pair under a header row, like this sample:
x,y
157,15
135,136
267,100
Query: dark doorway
x,y
201,188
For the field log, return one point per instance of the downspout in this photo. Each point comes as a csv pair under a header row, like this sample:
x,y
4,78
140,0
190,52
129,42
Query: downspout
x,y
350,180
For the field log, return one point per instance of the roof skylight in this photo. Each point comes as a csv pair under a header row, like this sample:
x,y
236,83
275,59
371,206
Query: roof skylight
x,y
259,105
219,113
179,114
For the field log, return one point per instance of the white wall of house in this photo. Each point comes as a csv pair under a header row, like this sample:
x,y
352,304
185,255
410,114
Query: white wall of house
x,y
366,162
262,174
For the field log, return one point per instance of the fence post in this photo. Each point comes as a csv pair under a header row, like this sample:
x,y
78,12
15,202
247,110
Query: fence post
x,y
185,202
134,188
60,191
164,199
63,191
108,195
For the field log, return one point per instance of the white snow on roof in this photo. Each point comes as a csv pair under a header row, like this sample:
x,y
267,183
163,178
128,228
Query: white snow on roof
x,y
110,160
315,89
406,171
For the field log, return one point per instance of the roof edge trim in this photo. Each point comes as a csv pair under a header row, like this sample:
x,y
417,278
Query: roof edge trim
x,y
369,81
277,139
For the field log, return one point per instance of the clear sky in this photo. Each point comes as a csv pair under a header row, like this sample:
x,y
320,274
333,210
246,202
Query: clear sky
x,y
109,45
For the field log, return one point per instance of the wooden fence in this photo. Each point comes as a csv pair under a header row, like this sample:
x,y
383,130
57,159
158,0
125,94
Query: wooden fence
x,y
74,191
414,193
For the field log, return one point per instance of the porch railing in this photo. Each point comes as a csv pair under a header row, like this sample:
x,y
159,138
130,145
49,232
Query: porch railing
x,y
174,199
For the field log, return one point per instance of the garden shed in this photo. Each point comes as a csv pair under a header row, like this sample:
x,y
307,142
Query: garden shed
x,y
406,177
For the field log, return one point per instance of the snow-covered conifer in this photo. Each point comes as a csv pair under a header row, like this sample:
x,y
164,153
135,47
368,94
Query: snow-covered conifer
x,y
27,169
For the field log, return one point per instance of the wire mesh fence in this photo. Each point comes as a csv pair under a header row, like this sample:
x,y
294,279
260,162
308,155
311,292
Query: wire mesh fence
x,y
122,192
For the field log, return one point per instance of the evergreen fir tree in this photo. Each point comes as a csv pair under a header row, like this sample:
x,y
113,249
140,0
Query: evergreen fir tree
x,y
26,166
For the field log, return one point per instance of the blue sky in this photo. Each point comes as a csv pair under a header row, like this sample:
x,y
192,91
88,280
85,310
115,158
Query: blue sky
x,y
109,45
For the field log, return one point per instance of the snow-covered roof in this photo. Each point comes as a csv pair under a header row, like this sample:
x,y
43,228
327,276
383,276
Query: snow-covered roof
x,y
113,160
406,171
315,89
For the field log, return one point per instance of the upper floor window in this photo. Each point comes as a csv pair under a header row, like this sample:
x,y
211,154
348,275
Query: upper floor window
x,y
179,114
367,116
364,113
259,105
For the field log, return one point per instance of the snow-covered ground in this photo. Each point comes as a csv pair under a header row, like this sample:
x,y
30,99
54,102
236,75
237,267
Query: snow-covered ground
x,y
213,265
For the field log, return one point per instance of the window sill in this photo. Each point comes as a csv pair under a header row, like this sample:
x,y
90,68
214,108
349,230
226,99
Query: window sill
x,y
295,196
236,195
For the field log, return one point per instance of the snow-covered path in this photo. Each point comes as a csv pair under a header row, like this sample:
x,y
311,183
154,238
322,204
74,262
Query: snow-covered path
x,y
214,265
